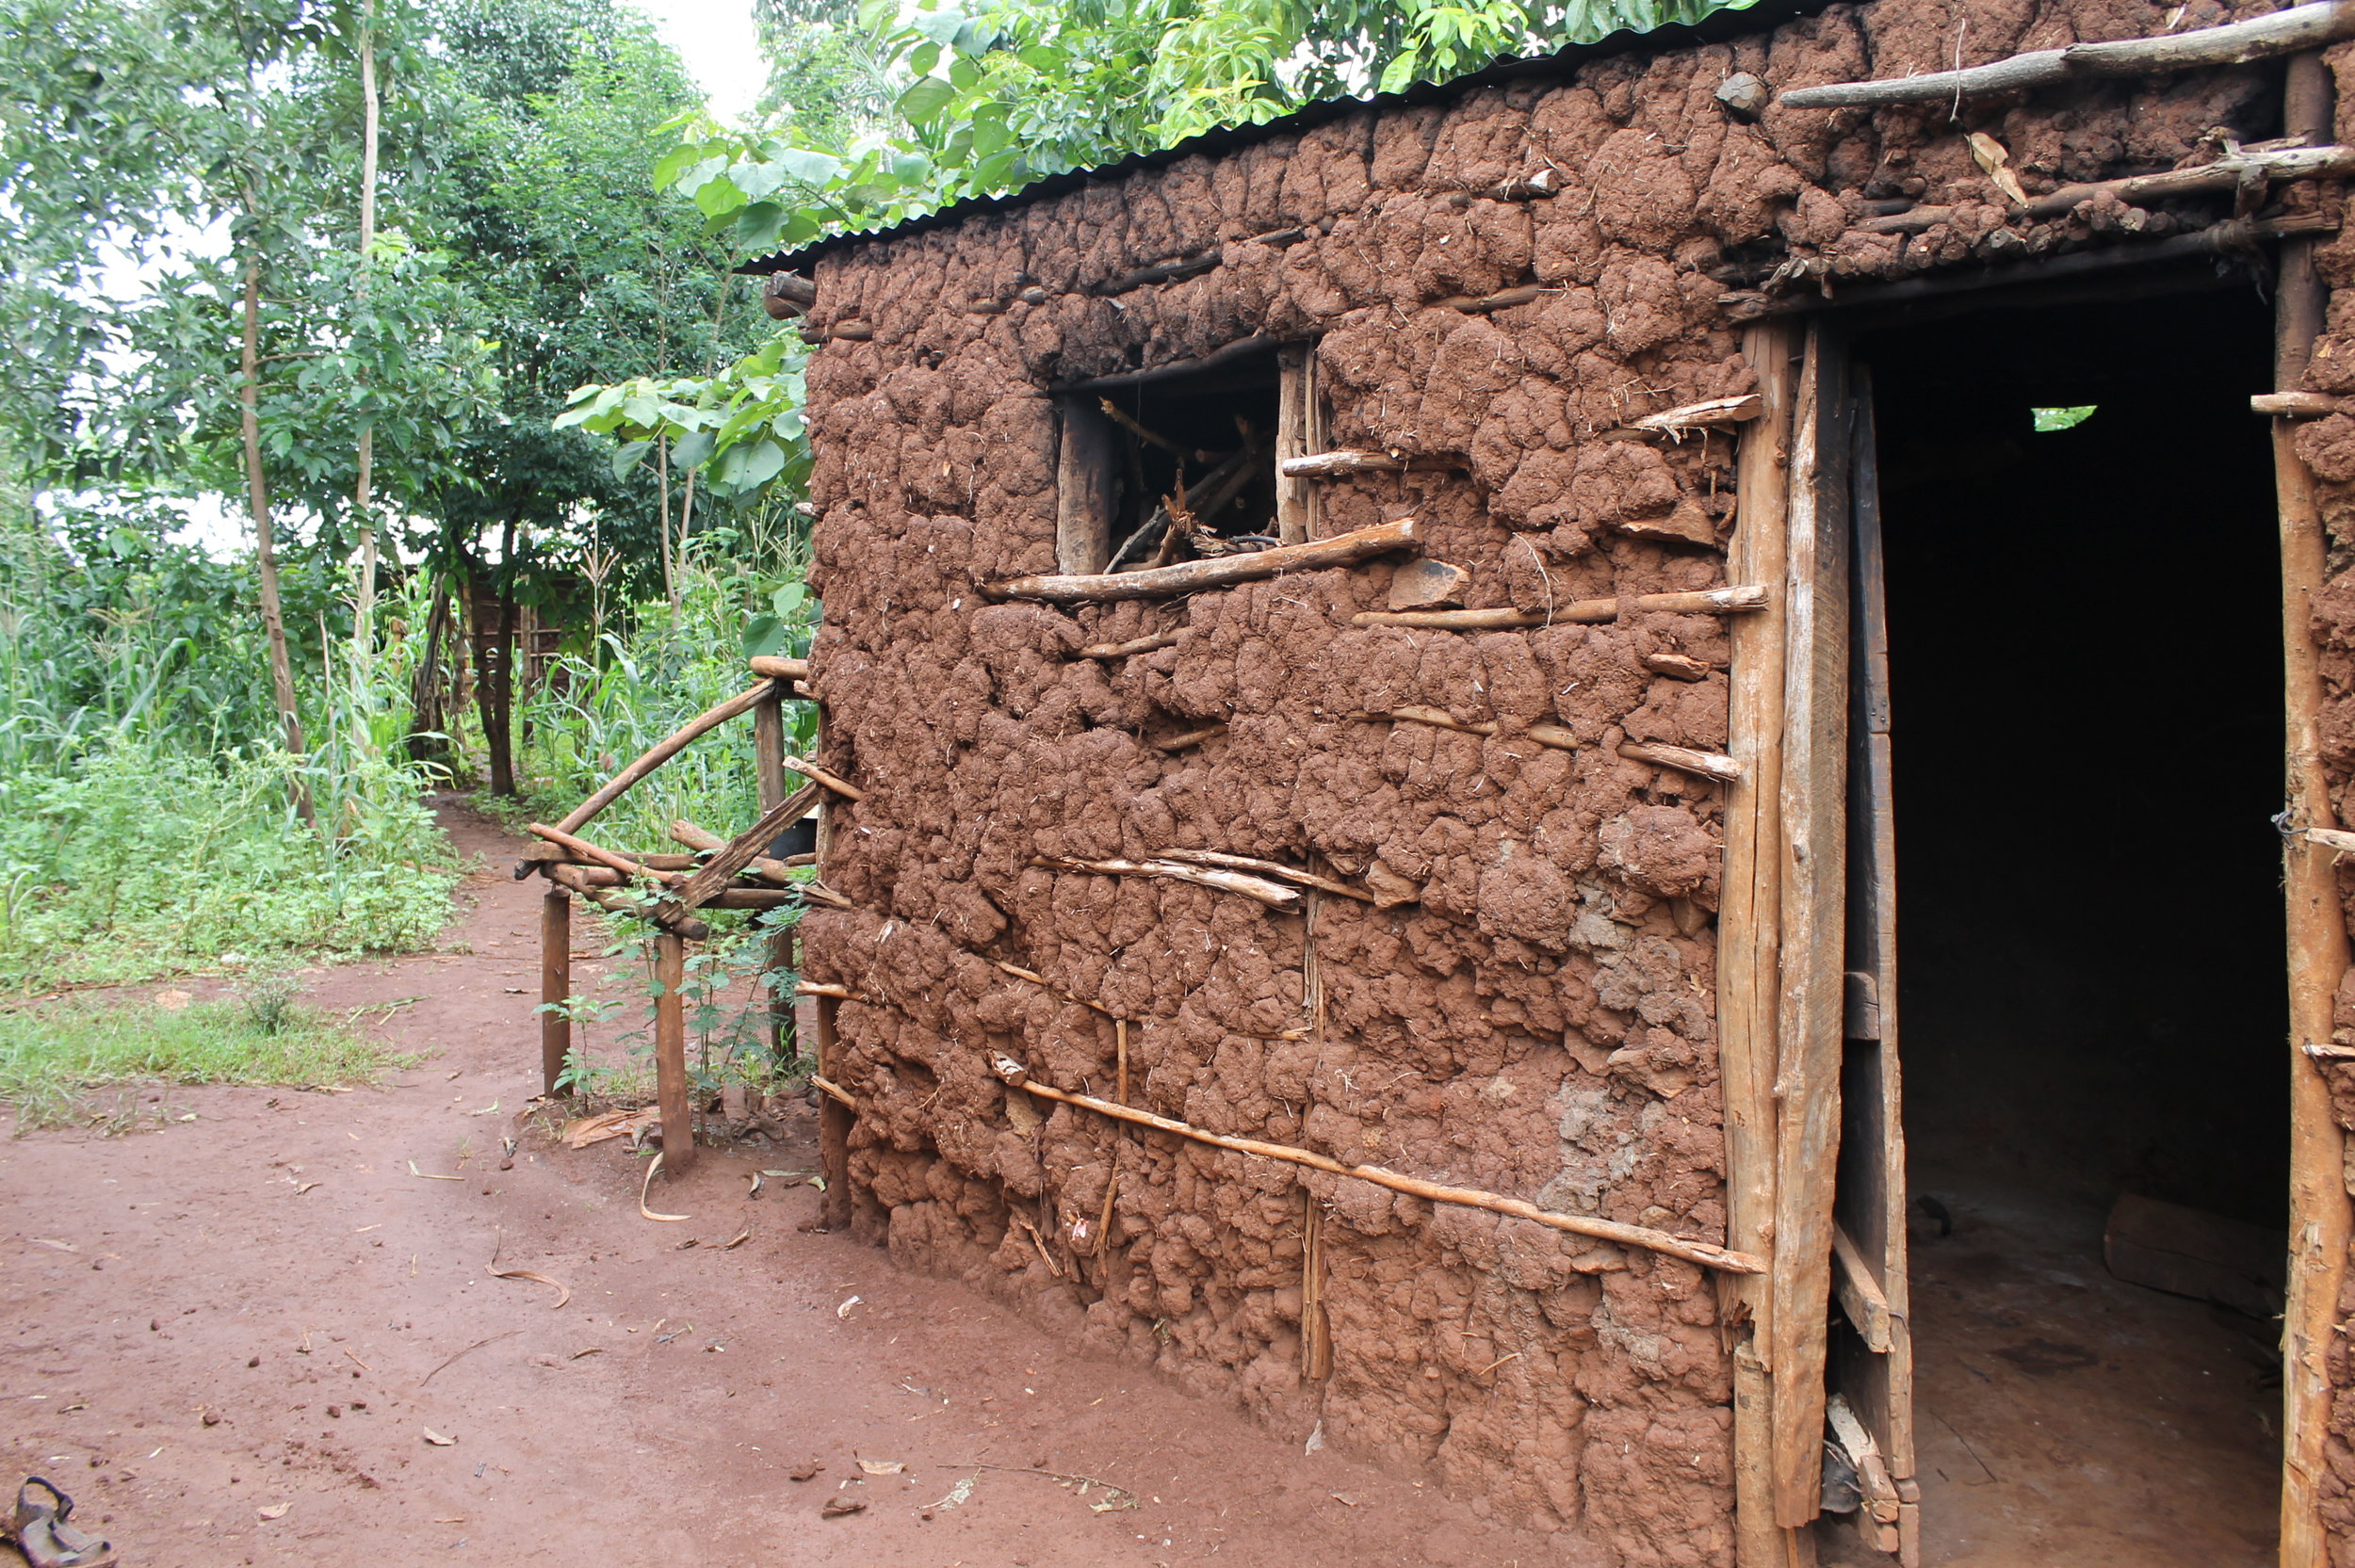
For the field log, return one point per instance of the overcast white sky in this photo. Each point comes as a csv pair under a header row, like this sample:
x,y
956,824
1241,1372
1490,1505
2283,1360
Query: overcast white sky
x,y
717,40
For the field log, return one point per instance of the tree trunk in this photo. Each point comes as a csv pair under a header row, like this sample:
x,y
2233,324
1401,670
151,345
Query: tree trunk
x,y
425,689
265,543
495,661
364,621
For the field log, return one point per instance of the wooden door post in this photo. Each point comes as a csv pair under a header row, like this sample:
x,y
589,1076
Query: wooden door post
x,y
769,767
2320,1222
669,1052
556,983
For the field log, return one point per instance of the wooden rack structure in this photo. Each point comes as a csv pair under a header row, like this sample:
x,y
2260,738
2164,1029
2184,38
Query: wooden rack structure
x,y
736,873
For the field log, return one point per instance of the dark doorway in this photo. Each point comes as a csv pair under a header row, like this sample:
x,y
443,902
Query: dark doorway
x,y
2085,667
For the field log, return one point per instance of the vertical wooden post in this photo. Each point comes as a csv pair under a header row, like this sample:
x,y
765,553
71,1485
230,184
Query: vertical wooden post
x,y
1299,432
1809,1025
834,1117
670,1052
1748,930
769,768
556,983
2320,1222
1085,474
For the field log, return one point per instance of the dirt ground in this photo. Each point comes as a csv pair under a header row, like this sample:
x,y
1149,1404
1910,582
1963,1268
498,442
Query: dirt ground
x,y
237,1354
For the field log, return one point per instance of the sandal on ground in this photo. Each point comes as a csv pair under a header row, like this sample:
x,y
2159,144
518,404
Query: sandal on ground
x,y
38,1530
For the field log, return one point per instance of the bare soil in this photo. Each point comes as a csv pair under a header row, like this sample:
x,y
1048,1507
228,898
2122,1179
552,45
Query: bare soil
x,y
231,1338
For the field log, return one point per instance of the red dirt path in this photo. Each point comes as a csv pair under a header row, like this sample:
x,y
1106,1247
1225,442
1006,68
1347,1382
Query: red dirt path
x,y
201,1273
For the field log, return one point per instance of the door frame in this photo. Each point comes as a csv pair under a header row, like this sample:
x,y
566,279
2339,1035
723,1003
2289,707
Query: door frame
x,y
1781,970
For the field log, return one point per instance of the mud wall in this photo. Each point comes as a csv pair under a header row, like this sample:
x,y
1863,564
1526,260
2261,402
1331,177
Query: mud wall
x,y
1536,1016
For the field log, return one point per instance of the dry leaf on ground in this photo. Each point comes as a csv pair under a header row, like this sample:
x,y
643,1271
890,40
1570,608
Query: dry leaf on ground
x,y
838,1508
882,1466
438,1440
582,1131
647,1185
563,1291
275,1510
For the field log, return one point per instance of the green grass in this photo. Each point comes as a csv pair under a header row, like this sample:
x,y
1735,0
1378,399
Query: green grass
x,y
57,1059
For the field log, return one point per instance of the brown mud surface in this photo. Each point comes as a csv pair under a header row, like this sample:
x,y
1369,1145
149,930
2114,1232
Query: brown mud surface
x,y
234,1365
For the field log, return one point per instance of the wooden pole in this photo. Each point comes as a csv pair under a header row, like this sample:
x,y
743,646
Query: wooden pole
x,y
662,752
1217,571
833,1123
556,983
1585,612
769,768
1809,1023
2320,1220
1747,933
1701,1252
669,1052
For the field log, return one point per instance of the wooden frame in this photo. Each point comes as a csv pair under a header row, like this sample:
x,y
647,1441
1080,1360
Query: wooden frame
x,y
1749,934
1299,433
1087,478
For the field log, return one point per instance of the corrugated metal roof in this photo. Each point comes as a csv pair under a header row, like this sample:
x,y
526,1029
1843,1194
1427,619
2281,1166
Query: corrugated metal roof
x,y
1715,27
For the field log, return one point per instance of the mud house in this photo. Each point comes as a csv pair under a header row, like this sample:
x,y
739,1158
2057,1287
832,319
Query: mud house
x,y
1429,682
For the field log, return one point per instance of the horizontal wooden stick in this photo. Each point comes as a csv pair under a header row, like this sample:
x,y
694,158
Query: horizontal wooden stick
x,y
1503,298
754,898
2284,32
818,893
779,668
588,851
1036,979
1135,645
1701,1252
1189,738
1335,465
2330,838
1269,868
574,879
1707,765
662,752
1217,571
1267,893
2225,173
1715,414
536,855
821,988
816,774
1707,600
1440,719
833,1090
2294,405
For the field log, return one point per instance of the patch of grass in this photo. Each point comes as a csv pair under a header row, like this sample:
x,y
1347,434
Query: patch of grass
x,y
56,1057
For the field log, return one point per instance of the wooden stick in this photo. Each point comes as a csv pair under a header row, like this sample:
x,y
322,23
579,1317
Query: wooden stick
x,y
1120,1054
537,856
1135,645
1701,1253
1676,667
818,893
2225,173
742,850
833,1121
1036,979
1217,571
765,866
1715,414
2283,32
1707,765
556,984
833,1090
1440,719
1316,1325
2320,1220
614,901
1341,464
1503,298
1270,868
1189,738
822,987
1860,1295
584,850
1225,882
811,771
779,668
660,752
2294,405
669,1052
1585,612
1128,422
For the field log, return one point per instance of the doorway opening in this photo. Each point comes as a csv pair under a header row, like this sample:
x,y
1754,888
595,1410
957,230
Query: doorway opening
x,y
2085,668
